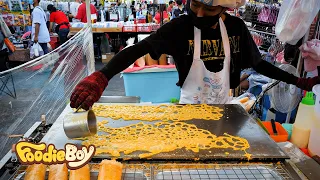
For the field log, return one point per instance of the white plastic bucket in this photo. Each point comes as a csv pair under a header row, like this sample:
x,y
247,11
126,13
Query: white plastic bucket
x,y
316,91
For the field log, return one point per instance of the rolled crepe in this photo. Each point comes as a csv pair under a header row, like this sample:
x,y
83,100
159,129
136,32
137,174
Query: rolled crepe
x,y
80,174
58,171
110,170
35,172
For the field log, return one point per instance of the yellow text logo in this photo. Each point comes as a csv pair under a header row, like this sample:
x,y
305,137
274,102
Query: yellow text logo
x,y
75,158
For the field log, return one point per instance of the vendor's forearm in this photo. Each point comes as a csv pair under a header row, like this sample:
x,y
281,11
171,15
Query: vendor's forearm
x,y
274,72
125,58
37,28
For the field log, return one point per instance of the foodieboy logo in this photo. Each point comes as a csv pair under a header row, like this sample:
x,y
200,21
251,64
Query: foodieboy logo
x,y
74,157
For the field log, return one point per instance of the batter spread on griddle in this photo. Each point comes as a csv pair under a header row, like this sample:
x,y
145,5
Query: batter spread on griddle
x,y
159,112
160,137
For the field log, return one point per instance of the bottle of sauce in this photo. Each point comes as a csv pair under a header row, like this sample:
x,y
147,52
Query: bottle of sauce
x,y
303,123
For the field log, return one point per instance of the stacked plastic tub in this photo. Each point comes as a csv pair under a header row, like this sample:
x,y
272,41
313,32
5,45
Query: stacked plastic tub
x,y
156,84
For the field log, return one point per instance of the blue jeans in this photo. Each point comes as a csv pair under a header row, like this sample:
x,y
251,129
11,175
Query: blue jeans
x,y
44,47
63,34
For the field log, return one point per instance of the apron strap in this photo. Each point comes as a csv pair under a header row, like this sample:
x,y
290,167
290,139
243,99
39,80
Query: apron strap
x,y
196,44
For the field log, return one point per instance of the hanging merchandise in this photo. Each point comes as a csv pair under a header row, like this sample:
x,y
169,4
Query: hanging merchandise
x,y
27,19
15,5
19,20
269,14
25,5
295,18
4,6
258,39
310,51
311,54
267,42
261,16
276,47
4,28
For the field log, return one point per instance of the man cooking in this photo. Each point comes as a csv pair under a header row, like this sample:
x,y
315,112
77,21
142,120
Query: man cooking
x,y
210,48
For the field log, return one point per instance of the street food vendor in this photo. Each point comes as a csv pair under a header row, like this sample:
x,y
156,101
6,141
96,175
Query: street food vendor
x,y
209,47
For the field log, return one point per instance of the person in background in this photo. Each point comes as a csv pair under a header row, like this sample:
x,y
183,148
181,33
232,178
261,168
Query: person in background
x,y
40,33
62,22
82,16
170,7
157,17
4,58
133,9
74,8
180,10
48,19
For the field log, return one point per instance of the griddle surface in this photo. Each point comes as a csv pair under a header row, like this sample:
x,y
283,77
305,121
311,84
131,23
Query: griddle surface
x,y
235,121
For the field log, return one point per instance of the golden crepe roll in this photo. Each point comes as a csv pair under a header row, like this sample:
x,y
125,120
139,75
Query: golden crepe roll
x,y
80,174
110,170
35,172
58,171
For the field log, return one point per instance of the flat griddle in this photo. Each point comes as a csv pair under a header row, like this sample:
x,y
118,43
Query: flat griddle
x,y
235,121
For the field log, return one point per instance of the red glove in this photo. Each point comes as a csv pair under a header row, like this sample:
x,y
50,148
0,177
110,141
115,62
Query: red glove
x,y
89,90
307,83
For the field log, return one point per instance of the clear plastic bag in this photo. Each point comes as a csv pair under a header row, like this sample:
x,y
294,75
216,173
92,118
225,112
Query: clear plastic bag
x,y
295,18
36,50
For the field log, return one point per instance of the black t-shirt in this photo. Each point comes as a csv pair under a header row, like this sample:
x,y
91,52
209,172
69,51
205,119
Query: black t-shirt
x,y
178,12
176,39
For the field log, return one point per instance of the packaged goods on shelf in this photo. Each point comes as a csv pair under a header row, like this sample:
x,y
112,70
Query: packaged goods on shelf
x,y
27,19
19,20
4,6
8,18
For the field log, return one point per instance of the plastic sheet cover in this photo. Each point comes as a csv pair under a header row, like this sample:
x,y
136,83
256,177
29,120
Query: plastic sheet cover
x,y
42,86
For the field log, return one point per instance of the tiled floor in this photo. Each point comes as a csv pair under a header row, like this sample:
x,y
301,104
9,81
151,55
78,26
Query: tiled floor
x,y
12,110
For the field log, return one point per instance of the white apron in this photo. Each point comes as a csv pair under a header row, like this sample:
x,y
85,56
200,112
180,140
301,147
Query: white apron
x,y
202,86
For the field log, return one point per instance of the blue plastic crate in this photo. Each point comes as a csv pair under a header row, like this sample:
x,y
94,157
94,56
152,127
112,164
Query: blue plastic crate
x,y
152,85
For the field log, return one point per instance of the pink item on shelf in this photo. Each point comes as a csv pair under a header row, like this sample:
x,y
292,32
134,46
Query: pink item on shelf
x,y
134,69
25,35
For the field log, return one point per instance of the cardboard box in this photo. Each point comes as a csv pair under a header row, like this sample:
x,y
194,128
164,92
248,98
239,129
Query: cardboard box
x,y
107,57
22,55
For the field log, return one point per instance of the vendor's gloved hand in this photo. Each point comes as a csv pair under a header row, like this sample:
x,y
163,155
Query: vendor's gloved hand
x,y
307,83
88,91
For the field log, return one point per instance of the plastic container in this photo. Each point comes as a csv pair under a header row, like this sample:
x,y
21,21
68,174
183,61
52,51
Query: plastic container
x,y
303,123
288,128
282,133
129,28
154,85
316,91
314,140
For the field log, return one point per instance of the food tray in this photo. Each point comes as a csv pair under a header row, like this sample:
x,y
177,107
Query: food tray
x,y
130,172
220,171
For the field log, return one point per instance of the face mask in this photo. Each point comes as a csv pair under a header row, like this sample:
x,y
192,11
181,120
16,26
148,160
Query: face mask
x,y
204,22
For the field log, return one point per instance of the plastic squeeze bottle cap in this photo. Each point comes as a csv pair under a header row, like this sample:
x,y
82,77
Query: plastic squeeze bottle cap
x,y
308,99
